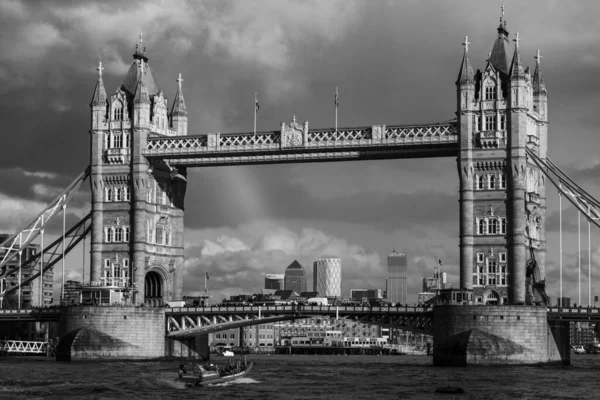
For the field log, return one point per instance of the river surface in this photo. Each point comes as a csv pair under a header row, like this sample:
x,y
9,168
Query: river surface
x,y
299,377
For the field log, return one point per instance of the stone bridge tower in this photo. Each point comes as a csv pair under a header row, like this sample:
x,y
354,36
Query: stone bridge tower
x,y
137,207
502,111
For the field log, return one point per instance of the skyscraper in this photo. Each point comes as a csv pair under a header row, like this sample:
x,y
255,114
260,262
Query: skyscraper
x,y
327,277
295,279
274,281
396,278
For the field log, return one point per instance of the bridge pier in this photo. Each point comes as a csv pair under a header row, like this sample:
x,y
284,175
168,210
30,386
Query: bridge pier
x,y
188,347
497,335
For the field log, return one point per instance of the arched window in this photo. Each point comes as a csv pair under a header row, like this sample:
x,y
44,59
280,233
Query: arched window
x,y
126,193
490,91
126,234
118,111
493,226
118,194
108,194
482,227
480,182
502,181
118,235
108,234
503,226
492,181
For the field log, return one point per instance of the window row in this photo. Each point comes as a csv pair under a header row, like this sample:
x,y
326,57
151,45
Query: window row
x,y
491,226
490,122
160,235
118,234
482,259
224,336
117,193
117,141
490,181
116,269
490,279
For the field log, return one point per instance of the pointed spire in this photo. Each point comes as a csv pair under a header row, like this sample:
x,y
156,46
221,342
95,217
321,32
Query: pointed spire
x,y
465,75
140,50
141,92
499,58
179,108
539,87
516,69
99,97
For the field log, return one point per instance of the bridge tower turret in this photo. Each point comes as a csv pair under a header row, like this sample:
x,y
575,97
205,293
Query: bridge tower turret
x,y
539,126
465,116
179,115
137,233
519,96
502,202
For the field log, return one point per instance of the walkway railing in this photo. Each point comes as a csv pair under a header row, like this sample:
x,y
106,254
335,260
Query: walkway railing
x,y
24,347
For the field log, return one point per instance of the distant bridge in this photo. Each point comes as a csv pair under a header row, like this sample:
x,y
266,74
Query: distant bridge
x,y
186,321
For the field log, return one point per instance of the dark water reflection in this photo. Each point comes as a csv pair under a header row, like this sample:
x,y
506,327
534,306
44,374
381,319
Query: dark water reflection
x,y
299,377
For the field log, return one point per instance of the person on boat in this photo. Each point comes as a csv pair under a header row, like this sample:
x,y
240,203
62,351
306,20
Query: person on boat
x,y
182,370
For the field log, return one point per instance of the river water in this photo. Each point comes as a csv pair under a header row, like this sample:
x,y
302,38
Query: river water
x,y
299,377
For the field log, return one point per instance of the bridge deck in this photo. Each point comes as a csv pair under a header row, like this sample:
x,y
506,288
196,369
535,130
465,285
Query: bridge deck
x,y
375,142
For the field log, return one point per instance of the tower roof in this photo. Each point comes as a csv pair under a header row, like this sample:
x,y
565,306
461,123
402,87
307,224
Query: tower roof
x,y
465,74
99,97
539,87
179,108
499,55
516,68
295,265
131,80
141,92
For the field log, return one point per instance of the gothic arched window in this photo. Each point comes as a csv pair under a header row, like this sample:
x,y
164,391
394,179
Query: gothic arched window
x,y
493,226
482,227
118,111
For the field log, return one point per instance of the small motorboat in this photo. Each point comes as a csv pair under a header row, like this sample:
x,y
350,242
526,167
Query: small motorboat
x,y
579,349
228,353
208,374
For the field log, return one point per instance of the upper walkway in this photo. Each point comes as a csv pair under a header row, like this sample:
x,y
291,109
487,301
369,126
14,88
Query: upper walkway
x,y
296,143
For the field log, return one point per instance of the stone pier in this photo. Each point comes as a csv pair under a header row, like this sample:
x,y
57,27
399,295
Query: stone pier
x,y
497,335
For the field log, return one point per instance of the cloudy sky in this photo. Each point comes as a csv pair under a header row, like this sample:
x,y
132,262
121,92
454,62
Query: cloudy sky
x,y
395,62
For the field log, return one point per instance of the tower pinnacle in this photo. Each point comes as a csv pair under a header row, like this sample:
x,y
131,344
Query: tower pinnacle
x,y
538,57
516,40
99,97
180,80
465,75
466,44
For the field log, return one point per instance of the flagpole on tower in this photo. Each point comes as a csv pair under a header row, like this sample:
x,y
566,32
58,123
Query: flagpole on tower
x,y
256,107
337,102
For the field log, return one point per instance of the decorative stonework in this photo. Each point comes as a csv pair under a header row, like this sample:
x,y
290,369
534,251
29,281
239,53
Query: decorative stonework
x,y
293,134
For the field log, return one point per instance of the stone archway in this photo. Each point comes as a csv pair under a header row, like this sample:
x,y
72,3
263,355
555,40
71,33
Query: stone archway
x,y
154,289
491,297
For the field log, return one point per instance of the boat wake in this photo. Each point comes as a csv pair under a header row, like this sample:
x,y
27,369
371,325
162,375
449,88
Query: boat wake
x,y
238,381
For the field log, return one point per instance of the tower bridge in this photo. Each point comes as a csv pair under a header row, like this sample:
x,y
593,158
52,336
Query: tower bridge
x,y
140,152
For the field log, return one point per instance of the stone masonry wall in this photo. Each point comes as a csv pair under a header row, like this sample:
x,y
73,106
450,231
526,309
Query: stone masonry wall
x,y
492,335
111,333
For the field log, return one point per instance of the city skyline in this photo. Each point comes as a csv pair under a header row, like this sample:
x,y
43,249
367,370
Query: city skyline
x,y
244,221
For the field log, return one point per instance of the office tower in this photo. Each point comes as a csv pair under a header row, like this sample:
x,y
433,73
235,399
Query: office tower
x,y
295,278
327,277
396,278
